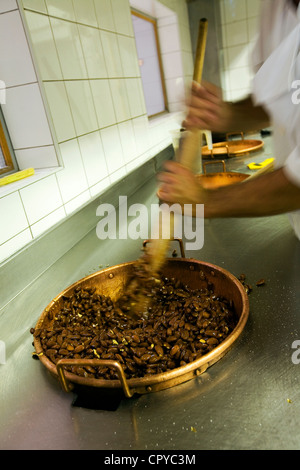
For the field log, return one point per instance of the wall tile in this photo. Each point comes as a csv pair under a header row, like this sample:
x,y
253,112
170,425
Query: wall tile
x,y
238,56
188,64
224,35
85,12
235,10
135,97
42,39
100,187
172,64
82,106
104,14
222,12
41,198
253,28
237,33
93,52
16,66
127,140
103,102
253,8
13,218
239,78
122,17
120,100
25,117
11,246
141,132
239,30
69,49
93,157
48,222
112,148
36,5
175,90
61,9
128,56
117,175
111,54
77,202
185,38
37,157
72,179
241,94
60,110
169,39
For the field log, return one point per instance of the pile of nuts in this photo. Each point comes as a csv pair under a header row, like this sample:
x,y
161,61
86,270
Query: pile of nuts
x,y
181,326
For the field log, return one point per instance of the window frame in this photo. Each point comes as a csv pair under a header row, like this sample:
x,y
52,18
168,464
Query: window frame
x,y
153,21
6,148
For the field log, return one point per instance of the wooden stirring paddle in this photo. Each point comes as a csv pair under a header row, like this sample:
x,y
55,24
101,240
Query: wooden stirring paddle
x,y
187,156
137,296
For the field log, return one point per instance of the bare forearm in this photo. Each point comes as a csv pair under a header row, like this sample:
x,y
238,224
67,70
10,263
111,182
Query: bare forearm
x,y
244,116
207,110
269,194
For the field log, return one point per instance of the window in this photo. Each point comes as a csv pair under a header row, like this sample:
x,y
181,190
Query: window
x,y
147,44
7,160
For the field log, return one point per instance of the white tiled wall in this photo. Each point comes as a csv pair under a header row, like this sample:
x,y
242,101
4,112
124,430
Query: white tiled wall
x,y
238,29
75,109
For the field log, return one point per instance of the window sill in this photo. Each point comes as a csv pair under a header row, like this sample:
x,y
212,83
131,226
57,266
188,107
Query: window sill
x,y
18,185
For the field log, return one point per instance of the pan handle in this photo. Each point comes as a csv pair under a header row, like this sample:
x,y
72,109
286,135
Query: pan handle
x,y
62,363
234,133
171,239
214,162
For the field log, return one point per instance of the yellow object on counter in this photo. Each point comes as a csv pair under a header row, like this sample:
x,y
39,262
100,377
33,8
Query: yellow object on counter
x,y
19,175
258,166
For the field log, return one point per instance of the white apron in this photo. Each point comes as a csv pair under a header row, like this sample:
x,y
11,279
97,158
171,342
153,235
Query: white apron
x,y
276,86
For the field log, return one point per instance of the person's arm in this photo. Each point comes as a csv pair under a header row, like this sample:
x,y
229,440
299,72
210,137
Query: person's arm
x,y
266,195
207,110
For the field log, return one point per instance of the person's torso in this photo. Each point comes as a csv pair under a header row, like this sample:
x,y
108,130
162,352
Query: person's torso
x,y
276,60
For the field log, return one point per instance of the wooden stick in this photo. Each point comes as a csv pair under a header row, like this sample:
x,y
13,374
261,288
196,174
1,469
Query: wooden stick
x,y
188,152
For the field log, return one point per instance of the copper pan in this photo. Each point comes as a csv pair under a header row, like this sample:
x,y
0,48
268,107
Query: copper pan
x,y
232,148
216,180
112,282
225,178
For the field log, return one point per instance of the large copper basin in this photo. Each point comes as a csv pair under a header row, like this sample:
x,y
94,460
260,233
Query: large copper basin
x,y
112,282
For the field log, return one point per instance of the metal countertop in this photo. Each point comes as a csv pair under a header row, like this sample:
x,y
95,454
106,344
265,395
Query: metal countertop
x,y
250,399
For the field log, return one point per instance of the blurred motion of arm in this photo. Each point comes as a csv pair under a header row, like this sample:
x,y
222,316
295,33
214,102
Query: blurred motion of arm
x,y
269,194
207,110
266,195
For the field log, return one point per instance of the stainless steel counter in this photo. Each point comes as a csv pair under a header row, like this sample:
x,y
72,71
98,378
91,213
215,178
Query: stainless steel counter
x,y
248,400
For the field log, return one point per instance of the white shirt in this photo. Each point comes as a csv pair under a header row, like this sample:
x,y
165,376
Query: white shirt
x,y
276,60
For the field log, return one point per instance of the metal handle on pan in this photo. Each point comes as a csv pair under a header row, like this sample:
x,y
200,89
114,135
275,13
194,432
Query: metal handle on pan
x,y
214,162
93,363
174,240
234,133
